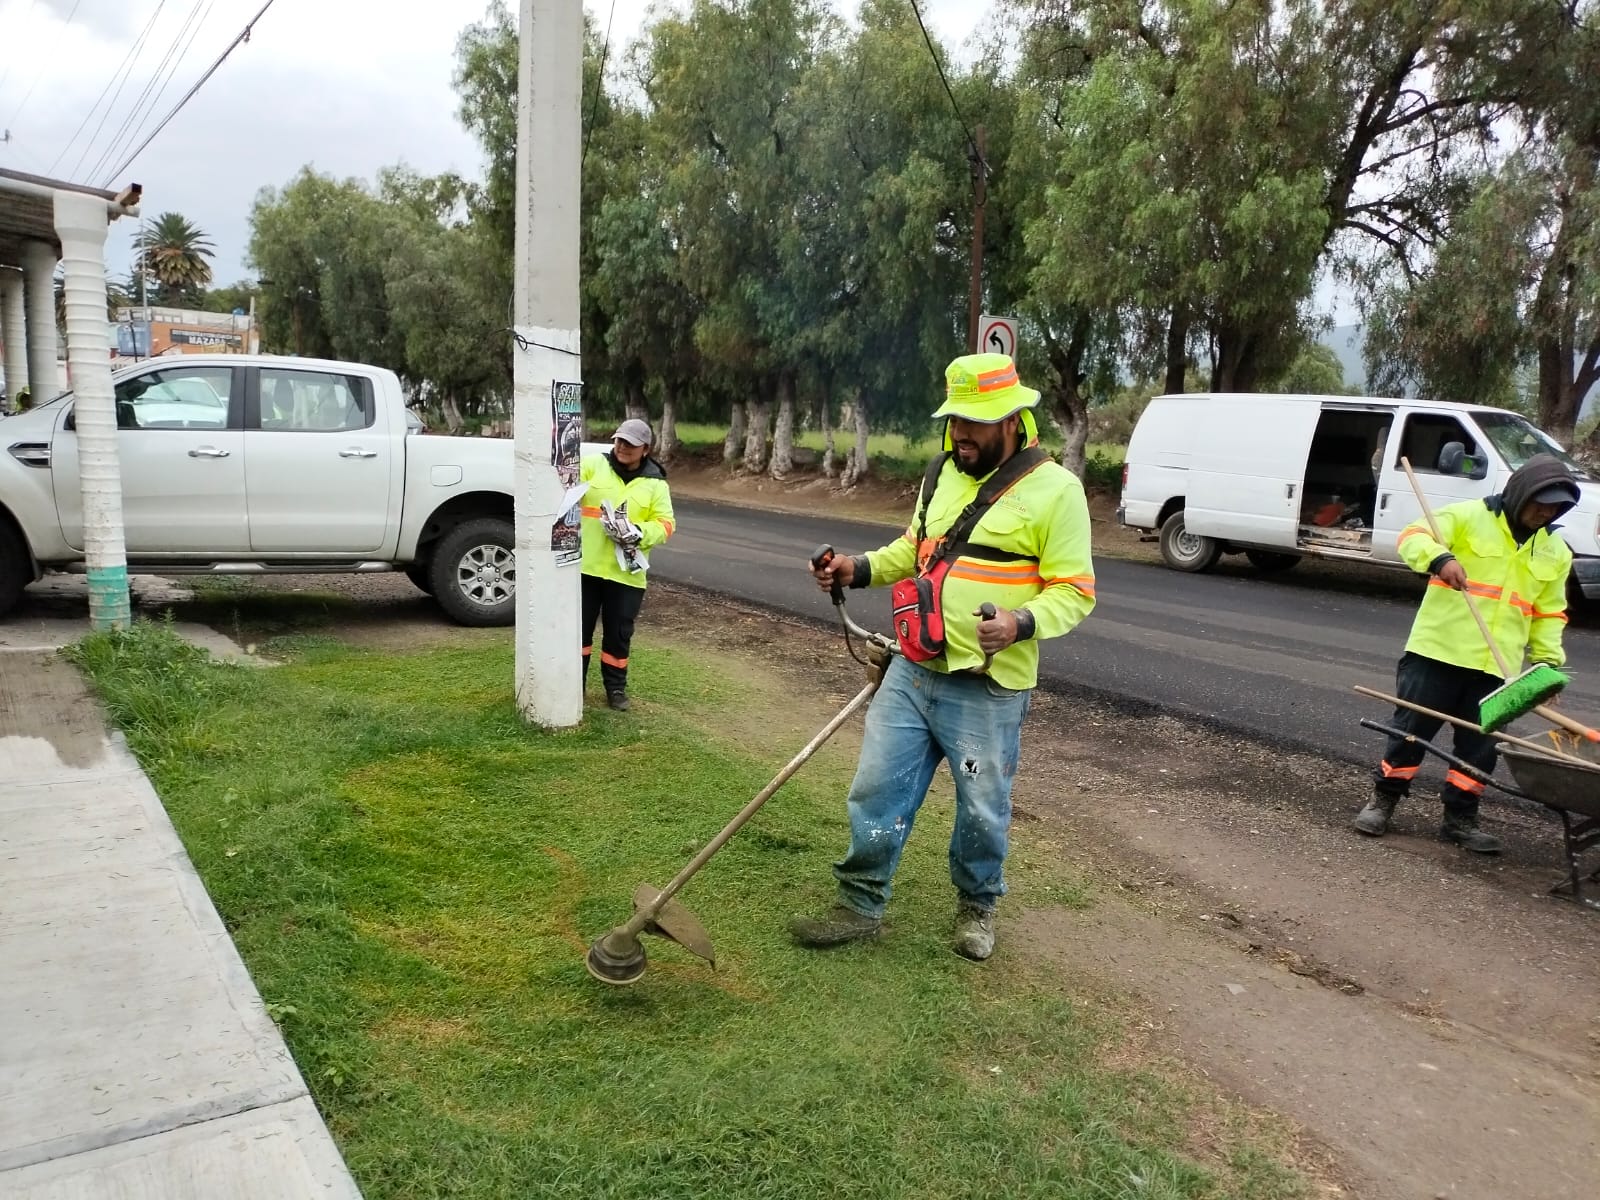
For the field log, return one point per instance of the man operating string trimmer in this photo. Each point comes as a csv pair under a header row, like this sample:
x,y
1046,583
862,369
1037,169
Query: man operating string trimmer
x,y
997,524
1500,554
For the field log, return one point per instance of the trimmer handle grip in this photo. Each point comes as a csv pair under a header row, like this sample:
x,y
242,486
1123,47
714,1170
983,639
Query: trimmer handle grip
x,y
988,611
820,558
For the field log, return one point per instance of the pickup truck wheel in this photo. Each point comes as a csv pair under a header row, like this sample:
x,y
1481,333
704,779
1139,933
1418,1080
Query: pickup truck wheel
x,y
421,574
1269,561
474,572
1185,551
15,570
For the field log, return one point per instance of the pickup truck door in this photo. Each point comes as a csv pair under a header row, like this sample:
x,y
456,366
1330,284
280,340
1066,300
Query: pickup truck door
x,y
320,461
180,446
1419,435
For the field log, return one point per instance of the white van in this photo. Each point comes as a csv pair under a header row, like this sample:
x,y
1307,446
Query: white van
x,y
1279,477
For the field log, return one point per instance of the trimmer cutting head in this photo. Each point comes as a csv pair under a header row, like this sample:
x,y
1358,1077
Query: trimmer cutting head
x,y
617,958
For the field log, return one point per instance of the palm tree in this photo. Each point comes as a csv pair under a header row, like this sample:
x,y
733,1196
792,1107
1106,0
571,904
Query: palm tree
x,y
173,254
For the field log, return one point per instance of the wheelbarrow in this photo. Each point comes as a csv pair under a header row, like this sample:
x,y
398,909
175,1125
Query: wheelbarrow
x,y
1567,788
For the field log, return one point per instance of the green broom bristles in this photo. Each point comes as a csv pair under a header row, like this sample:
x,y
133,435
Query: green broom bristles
x,y
1520,695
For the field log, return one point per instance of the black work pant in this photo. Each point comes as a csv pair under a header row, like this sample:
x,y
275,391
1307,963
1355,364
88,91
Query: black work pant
x,y
616,606
1445,688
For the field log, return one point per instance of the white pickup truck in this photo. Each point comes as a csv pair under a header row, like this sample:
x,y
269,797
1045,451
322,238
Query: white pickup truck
x,y
256,464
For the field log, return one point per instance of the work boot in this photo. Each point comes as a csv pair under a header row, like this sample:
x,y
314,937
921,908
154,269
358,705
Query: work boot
x,y
840,924
974,932
1373,820
1464,832
618,700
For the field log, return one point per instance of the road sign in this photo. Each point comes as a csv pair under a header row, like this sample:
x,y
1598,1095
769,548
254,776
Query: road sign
x,y
997,335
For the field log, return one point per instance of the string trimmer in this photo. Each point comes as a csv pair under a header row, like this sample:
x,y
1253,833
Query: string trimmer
x,y
618,957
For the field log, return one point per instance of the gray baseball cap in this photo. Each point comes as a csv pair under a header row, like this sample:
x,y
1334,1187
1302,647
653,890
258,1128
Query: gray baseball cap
x,y
633,431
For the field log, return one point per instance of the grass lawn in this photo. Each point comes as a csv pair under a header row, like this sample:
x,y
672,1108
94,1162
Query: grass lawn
x,y
412,876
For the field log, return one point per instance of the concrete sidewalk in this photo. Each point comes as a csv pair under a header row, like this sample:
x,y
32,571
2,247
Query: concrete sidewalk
x,y
136,1058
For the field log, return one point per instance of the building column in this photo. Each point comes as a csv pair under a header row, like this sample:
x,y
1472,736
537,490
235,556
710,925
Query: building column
x,y
39,274
14,333
81,224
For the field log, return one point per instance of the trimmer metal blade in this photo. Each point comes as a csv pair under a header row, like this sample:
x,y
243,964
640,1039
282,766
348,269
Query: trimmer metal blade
x,y
675,923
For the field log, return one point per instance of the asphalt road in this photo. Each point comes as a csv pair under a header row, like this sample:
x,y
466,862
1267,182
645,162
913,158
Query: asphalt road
x,y
1270,658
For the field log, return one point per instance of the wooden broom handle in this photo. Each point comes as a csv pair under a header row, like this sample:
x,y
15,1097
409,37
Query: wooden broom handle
x,y
1433,525
1547,751
1542,710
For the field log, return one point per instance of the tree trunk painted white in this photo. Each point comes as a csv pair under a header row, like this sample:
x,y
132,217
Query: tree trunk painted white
x,y
783,432
453,420
81,225
830,465
755,433
14,332
1072,416
549,669
667,438
637,407
856,465
39,275
733,444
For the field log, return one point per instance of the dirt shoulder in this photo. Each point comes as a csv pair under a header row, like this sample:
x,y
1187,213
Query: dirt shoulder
x,y
1427,1018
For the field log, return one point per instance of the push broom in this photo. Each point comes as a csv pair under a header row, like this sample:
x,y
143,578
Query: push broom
x,y
1519,694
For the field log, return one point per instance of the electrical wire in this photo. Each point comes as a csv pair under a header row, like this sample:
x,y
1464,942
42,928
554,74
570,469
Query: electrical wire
x,y
124,71
972,142
599,87
39,74
244,36
154,87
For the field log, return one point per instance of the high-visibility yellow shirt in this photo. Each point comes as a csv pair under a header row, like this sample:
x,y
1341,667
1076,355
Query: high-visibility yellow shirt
x,y
1520,590
1044,521
649,507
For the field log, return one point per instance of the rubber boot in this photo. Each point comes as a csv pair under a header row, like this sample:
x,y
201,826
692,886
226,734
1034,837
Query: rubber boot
x,y
1373,820
974,932
840,924
1463,831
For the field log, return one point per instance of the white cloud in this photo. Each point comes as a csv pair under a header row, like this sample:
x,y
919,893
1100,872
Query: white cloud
x,y
348,86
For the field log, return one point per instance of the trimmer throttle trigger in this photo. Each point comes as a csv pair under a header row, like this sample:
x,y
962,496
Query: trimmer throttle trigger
x,y
821,557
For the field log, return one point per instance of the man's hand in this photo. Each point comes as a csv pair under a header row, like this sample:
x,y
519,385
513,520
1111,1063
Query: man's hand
x,y
996,633
840,567
1454,574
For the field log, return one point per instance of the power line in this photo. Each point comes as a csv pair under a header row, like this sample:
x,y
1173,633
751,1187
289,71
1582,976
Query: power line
x,y
150,95
972,142
244,36
124,71
43,59
599,86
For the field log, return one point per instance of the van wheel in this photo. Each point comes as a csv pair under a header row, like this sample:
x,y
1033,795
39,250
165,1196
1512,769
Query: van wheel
x,y
1185,551
474,572
1271,560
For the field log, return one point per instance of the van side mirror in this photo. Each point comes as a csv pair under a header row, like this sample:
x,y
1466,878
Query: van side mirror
x,y
1454,460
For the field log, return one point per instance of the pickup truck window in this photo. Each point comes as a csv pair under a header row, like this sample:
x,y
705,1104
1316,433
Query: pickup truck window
x,y
314,401
178,398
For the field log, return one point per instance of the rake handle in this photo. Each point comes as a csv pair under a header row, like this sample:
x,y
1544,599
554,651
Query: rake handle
x,y
1464,724
1542,710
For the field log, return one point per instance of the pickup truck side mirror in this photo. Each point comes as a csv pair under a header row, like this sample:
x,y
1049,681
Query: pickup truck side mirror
x,y
1454,460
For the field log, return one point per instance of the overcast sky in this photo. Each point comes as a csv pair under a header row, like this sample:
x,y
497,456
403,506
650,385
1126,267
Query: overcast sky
x,y
345,85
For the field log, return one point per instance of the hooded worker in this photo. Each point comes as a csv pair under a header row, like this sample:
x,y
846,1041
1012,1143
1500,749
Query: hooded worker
x,y
996,522
626,511
1504,552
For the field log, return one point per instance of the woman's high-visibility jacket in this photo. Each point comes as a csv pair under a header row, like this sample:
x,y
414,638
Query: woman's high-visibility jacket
x,y
1520,590
649,507
1043,520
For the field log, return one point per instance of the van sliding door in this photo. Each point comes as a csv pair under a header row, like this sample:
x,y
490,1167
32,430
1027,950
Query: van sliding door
x,y
1247,467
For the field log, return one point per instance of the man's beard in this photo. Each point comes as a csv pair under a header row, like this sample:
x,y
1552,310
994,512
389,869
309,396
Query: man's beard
x,y
988,459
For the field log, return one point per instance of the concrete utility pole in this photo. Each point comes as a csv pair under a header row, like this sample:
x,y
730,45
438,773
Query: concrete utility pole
x,y
545,307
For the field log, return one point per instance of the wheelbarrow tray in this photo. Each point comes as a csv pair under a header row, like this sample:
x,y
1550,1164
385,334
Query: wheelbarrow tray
x,y
1555,783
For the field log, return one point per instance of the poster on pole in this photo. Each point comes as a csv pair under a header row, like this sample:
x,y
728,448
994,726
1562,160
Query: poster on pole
x,y
566,450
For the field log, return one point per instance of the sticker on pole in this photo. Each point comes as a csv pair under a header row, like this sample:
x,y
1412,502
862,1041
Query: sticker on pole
x,y
997,335
566,450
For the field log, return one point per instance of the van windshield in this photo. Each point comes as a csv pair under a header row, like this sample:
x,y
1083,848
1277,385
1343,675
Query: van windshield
x,y
1518,440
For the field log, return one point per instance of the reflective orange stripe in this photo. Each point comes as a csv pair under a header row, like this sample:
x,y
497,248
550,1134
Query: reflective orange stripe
x,y
587,511
1390,772
992,381
611,660
987,574
588,650
1408,532
1485,590
668,526
1465,782
1550,616
1084,583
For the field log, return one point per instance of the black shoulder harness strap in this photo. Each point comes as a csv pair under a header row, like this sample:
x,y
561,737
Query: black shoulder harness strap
x,y
955,540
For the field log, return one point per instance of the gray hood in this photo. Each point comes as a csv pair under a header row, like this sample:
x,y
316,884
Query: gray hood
x,y
1534,476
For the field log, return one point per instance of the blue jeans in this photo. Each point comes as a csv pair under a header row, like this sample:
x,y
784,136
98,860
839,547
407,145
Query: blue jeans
x,y
918,718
